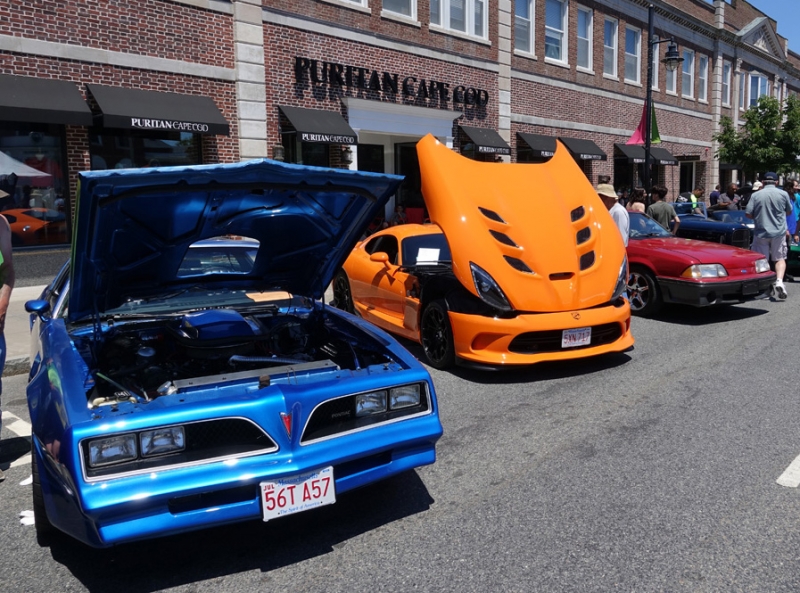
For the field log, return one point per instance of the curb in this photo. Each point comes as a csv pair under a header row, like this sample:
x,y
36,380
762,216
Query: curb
x,y
17,366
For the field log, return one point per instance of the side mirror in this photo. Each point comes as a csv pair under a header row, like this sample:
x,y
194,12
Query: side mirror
x,y
380,256
40,308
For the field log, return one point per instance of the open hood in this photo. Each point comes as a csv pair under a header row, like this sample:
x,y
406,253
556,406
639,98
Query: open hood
x,y
539,230
134,226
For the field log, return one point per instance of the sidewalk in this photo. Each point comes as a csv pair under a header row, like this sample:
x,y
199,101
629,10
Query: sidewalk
x,y
18,331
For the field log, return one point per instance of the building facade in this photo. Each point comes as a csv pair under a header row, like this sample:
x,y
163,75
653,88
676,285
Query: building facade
x,y
94,84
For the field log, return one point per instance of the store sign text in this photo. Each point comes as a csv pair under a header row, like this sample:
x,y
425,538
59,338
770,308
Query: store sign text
x,y
163,124
343,75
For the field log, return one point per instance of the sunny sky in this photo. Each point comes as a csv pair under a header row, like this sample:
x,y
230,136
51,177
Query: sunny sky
x,y
785,12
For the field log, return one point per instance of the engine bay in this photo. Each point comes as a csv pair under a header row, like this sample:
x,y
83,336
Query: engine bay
x,y
139,360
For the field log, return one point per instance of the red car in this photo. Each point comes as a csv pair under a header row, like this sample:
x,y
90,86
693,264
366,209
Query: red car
x,y
667,269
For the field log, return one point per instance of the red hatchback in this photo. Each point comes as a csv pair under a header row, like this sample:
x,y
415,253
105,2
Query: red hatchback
x,y
667,269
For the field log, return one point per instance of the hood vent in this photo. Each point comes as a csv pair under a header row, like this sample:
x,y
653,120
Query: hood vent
x,y
518,264
587,260
503,238
583,235
492,215
577,214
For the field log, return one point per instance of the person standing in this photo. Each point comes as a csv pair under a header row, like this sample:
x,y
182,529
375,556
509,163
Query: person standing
x,y
637,201
768,208
662,212
714,196
618,213
6,285
727,201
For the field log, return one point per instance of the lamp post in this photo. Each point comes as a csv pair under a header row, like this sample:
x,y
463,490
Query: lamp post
x,y
671,61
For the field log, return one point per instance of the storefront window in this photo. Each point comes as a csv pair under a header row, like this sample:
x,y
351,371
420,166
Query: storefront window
x,y
124,149
315,154
33,183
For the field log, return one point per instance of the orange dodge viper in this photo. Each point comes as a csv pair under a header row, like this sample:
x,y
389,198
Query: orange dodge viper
x,y
522,264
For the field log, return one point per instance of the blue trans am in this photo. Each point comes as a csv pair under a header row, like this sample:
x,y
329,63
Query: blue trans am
x,y
185,372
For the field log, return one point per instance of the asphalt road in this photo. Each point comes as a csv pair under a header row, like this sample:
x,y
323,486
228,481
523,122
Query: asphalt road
x,y
655,470
38,267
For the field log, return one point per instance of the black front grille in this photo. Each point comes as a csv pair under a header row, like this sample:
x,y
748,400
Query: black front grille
x,y
741,238
210,439
550,341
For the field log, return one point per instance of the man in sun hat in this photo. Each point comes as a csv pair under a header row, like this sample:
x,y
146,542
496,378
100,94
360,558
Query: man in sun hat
x,y
768,208
618,213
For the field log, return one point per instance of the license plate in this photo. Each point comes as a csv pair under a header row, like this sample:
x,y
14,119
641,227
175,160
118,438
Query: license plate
x,y
582,336
750,288
297,493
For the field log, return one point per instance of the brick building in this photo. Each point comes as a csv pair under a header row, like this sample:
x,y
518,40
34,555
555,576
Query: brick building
x,y
88,84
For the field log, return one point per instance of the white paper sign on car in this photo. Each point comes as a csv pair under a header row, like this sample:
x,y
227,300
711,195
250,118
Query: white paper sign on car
x,y
427,256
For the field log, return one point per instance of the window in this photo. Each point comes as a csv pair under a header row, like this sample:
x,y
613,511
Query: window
x,y
654,41
523,25
672,77
610,48
742,87
555,39
726,83
702,78
405,7
687,81
465,16
585,36
759,86
633,54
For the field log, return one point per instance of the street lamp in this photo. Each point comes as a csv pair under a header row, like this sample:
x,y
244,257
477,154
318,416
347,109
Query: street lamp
x,y
671,61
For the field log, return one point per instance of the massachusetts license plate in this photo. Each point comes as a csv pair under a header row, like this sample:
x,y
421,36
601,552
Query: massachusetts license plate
x,y
297,493
582,336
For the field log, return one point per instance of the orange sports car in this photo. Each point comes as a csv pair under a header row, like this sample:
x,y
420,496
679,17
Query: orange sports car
x,y
36,226
522,264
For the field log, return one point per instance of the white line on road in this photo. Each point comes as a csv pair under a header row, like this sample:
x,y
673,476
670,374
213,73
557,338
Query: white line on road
x,y
791,477
20,428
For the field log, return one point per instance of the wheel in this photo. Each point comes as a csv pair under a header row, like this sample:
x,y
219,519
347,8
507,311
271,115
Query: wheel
x,y
437,335
643,292
44,529
342,297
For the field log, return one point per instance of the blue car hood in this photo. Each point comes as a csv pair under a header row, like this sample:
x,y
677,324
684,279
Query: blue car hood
x,y
134,226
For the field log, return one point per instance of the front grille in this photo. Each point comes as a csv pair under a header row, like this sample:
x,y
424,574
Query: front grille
x,y
741,238
550,341
337,416
210,439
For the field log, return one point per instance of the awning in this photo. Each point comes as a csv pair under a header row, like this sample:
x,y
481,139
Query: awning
x,y
635,154
486,141
584,150
734,167
151,110
542,146
319,125
43,101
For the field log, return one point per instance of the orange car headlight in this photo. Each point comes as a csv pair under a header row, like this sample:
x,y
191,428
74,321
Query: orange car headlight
x,y
488,289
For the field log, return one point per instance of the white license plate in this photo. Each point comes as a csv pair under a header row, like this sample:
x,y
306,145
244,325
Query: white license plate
x,y
582,336
297,493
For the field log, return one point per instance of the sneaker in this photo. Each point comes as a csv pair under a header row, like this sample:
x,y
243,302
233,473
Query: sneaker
x,y
2,476
773,293
780,290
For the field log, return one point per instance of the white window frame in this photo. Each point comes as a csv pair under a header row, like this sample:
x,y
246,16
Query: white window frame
x,y
589,67
671,82
394,14
727,69
763,89
612,48
563,33
742,90
637,57
531,20
687,71
656,45
469,18
702,78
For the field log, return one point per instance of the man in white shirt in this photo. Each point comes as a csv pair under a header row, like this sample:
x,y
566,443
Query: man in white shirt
x,y
618,213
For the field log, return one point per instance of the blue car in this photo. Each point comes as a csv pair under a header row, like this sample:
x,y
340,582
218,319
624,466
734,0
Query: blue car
x,y
186,373
718,228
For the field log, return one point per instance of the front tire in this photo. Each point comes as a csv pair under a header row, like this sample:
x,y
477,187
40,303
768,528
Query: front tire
x,y
342,296
436,335
644,293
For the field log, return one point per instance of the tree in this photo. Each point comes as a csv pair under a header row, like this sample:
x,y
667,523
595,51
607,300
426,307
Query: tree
x,y
769,140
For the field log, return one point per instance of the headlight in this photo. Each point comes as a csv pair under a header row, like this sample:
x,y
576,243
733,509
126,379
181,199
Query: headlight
x,y
488,289
404,397
762,265
110,450
162,441
705,271
370,403
622,280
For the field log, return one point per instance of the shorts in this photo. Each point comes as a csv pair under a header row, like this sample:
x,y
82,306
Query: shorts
x,y
772,247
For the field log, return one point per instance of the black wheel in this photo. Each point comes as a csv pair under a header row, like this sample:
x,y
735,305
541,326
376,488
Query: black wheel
x,y
643,292
44,529
437,335
342,297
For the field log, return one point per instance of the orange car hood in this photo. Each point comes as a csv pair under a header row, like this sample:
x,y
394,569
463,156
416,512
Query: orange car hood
x,y
535,203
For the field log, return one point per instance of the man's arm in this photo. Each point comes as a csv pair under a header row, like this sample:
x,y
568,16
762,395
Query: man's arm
x,y
677,222
6,270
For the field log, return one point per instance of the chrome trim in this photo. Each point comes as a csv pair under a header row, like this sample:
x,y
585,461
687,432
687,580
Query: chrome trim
x,y
287,370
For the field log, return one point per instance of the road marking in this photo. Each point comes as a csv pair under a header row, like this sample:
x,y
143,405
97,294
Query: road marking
x,y
791,477
20,428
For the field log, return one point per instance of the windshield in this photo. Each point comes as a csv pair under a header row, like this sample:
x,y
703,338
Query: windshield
x,y
422,250
643,226
683,208
730,216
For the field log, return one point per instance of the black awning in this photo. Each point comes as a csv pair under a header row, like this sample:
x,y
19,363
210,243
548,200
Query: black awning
x,y
486,141
633,152
542,146
661,156
319,125
584,150
43,101
734,167
152,110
